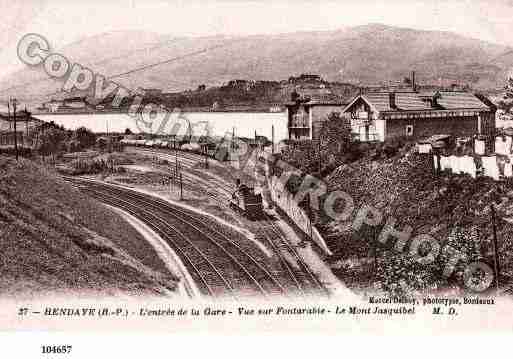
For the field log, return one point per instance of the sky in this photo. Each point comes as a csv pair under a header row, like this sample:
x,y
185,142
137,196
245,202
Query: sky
x,y
66,21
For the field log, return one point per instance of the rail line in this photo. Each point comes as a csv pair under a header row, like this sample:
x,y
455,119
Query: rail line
x,y
190,160
195,259
303,274
215,244
303,279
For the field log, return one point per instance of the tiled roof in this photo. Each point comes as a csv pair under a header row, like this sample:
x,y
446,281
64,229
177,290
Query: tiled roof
x,y
406,101
412,101
459,100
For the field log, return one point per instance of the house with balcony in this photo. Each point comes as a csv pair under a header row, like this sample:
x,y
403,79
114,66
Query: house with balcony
x,y
378,116
25,124
305,115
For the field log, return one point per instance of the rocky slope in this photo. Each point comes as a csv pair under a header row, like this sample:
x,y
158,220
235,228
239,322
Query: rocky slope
x,y
55,239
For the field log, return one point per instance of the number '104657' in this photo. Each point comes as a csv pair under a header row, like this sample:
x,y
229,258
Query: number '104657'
x,y
56,349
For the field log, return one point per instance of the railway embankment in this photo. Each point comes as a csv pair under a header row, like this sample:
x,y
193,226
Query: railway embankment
x,y
54,239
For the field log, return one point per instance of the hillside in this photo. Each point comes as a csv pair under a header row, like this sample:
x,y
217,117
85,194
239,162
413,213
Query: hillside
x,y
367,54
55,239
454,209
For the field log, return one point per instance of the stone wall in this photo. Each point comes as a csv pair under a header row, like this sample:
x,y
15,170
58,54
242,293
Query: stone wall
x,y
285,201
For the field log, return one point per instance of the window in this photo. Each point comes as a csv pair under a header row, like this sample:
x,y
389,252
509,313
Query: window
x,y
409,130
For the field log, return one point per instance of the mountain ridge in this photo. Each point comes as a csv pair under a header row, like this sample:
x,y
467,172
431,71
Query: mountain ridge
x,y
363,55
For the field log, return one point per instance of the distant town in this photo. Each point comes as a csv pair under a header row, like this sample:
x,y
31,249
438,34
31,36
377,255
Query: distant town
x,y
239,95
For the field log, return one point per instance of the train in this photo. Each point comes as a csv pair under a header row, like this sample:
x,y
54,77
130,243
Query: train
x,y
148,143
219,152
244,200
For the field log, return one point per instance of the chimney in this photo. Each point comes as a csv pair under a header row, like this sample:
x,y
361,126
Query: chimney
x,y
413,83
391,99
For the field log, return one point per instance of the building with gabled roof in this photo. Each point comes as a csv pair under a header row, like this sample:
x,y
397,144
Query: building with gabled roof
x,y
306,114
24,124
377,116
24,119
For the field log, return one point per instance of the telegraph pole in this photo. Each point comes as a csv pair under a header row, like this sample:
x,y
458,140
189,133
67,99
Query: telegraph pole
x,y
176,160
319,149
181,187
9,116
26,125
108,138
14,102
233,138
495,248
206,156
272,138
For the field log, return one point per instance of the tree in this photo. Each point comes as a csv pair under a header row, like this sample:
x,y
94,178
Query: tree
x,y
52,141
85,137
507,101
335,134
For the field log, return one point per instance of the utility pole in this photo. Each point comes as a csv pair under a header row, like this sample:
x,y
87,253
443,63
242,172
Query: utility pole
x,y
7,142
175,176
303,243
181,187
176,162
310,215
320,159
108,138
375,242
14,102
272,138
26,125
206,156
42,139
495,248
233,138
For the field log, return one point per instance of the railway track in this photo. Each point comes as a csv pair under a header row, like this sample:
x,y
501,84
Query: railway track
x,y
302,280
186,159
219,264
306,281
191,161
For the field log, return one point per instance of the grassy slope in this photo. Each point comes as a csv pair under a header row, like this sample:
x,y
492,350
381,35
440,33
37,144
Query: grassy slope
x,y
406,188
52,237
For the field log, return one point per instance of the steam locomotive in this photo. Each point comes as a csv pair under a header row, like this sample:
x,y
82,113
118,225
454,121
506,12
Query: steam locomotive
x,y
247,202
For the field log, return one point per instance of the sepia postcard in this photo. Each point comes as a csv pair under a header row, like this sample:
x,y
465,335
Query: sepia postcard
x,y
248,166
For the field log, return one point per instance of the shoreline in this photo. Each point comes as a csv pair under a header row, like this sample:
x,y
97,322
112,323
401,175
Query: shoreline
x,y
126,112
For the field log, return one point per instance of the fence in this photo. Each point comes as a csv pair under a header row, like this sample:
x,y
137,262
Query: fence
x,y
285,201
496,167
